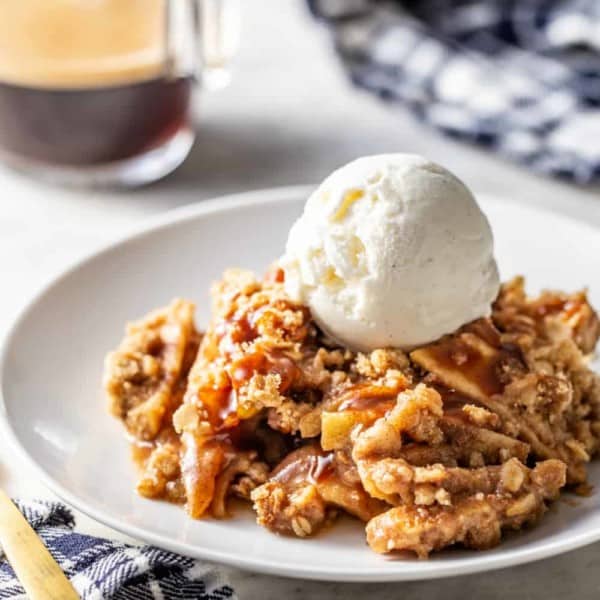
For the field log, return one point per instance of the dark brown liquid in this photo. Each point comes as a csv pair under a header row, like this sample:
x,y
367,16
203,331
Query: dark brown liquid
x,y
92,126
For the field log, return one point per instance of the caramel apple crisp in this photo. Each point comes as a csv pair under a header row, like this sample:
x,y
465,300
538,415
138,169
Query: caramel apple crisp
x,y
452,443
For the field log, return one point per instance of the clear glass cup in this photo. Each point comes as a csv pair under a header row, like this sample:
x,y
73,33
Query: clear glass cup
x,y
101,92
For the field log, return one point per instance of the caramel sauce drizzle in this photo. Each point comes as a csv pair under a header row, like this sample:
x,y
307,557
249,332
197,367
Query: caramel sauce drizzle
x,y
245,326
307,464
484,368
367,397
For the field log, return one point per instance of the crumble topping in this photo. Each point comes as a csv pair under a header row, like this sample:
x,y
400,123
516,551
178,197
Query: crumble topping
x,y
144,377
451,444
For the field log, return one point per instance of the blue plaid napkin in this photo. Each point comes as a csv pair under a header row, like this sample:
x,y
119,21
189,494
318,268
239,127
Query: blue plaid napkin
x,y
101,569
521,77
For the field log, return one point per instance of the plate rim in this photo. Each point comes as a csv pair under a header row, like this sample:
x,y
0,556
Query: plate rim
x,y
418,570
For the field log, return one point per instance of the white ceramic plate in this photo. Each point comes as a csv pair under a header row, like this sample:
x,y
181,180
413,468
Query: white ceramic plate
x,y
55,413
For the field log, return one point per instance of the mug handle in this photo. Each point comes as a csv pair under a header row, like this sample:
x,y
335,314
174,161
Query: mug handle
x,y
217,25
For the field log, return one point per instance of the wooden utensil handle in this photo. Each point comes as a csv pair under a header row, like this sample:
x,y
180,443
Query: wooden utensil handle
x,y
37,571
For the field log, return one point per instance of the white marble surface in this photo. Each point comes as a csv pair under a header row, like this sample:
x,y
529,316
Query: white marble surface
x,y
289,117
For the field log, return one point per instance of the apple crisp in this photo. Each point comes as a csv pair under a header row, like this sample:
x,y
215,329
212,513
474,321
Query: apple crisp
x,y
453,443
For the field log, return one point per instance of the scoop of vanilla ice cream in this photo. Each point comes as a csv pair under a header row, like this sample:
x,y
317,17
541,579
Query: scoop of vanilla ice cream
x,y
391,251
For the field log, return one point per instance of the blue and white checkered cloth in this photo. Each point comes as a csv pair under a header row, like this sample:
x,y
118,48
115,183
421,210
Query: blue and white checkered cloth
x,y
101,569
521,77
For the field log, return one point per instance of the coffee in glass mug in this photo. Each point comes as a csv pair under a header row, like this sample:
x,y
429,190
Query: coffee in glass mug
x,y
100,91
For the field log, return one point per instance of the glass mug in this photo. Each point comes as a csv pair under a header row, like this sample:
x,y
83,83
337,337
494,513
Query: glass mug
x,y
100,92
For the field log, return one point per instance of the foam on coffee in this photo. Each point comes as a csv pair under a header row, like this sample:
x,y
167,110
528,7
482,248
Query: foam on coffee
x,y
75,43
